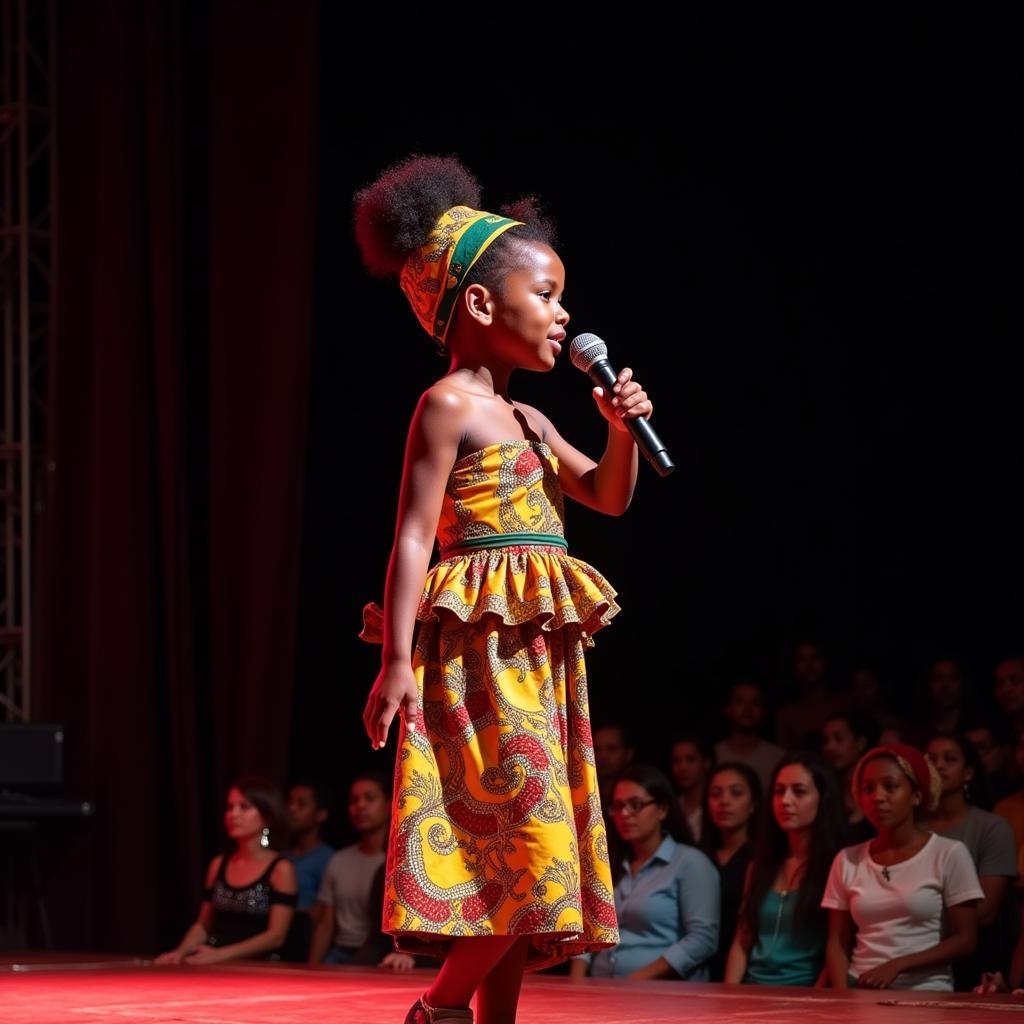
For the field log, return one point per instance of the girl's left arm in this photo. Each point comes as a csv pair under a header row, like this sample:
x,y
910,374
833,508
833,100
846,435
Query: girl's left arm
x,y
606,486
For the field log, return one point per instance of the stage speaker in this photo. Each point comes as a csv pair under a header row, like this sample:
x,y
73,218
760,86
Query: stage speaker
x,y
31,755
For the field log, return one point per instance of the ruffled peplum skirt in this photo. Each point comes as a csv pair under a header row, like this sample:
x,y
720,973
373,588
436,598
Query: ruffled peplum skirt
x,y
497,826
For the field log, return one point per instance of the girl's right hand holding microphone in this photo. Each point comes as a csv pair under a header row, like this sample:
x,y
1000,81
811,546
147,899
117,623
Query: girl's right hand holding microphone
x,y
394,687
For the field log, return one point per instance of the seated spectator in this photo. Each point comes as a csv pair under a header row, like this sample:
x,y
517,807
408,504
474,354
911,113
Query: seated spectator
x,y
996,981
666,891
903,906
744,712
1009,691
989,840
692,759
844,738
867,699
250,893
994,745
348,929
782,929
307,810
308,805
945,703
732,812
798,724
612,753
1012,809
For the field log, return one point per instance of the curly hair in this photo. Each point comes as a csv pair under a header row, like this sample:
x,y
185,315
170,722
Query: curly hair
x,y
394,215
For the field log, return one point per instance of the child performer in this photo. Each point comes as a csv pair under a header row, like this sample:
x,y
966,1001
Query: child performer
x,y
497,855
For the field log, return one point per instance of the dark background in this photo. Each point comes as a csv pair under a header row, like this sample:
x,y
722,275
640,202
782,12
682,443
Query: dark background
x,y
801,229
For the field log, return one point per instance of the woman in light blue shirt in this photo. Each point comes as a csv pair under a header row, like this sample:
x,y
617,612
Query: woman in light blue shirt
x,y
666,890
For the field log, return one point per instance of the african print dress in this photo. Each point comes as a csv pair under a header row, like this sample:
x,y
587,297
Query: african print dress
x,y
496,826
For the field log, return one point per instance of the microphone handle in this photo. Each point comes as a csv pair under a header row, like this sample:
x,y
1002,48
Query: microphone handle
x,y
646,439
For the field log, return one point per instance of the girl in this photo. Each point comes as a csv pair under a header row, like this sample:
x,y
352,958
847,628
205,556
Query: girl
x,y
908,896
692,758
250,893
732,809
497,856
781,935
666,891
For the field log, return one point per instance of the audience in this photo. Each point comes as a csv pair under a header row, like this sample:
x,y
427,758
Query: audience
x,y
798,724
692,758
903,906
666,891
250,893
349,924
744,712
732,810
1009,691
945,700
867,699
612,752
780,938
844,738
708,884
989,840
1012,809
993,746
308,805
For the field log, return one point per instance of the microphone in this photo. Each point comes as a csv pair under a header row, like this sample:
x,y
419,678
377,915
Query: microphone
x,y
590,354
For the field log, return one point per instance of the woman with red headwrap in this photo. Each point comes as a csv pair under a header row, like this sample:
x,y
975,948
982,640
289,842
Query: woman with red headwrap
x,y
908,897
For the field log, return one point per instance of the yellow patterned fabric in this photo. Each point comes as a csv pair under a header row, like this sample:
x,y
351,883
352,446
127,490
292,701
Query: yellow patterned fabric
x,y
497,826
433,275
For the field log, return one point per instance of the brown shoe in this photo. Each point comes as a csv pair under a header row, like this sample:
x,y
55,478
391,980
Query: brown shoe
x,y
421,1012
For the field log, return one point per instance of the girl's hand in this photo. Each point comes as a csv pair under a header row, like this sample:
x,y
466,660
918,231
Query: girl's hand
x,y
205,955
990,984
395,687
628,401
879,977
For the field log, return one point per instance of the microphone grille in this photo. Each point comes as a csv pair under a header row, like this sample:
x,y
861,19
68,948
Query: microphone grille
x,y
585,350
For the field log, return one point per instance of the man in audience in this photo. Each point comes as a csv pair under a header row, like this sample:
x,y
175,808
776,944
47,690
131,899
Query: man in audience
x,y
993,748
308,805
1009,691
798,724
612,752
352,892
745,713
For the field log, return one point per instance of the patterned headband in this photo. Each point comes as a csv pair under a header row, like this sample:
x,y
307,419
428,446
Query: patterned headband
x,y
434,275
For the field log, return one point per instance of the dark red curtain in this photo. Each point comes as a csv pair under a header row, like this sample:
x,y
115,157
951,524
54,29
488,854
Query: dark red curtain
x,y
169,570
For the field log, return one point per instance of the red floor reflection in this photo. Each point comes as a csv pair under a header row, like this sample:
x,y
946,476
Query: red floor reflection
x,y
85,990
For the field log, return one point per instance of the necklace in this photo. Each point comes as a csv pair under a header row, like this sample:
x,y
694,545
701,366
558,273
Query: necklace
x,y
789,887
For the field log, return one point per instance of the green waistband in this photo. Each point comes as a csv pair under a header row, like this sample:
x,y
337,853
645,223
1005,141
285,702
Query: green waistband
x,y
505,540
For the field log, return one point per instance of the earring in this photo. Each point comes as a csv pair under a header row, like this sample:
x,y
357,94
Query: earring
x,y
265,837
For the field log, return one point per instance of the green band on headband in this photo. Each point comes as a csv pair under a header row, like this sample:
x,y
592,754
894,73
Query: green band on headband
x,y
468,249
505,540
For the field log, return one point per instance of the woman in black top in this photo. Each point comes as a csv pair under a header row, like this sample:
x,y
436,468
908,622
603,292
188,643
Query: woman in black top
x,y
250,893
732,808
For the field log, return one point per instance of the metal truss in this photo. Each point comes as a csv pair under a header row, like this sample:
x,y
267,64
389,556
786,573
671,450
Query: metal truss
x,y
28,167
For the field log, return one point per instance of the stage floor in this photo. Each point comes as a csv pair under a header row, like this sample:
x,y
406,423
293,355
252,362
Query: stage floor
x,y
84,990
